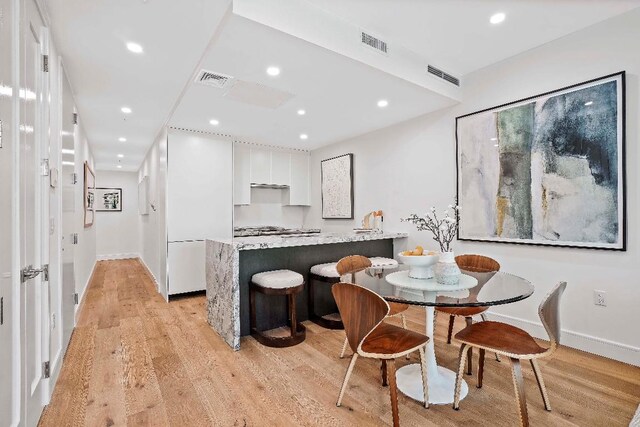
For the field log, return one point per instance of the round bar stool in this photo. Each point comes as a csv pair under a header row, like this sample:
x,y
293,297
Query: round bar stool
x,y
325,273
278,282
379,265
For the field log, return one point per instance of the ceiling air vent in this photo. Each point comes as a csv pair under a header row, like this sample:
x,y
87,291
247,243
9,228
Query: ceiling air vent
x,y
439,73
209,78
374,42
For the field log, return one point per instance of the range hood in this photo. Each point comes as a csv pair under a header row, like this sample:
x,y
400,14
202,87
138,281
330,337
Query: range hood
x,y
277,186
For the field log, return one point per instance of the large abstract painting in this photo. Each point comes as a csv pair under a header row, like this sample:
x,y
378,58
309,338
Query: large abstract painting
x,y
547,169
337,187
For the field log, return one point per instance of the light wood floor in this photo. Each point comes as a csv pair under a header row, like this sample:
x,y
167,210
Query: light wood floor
x,y
136,360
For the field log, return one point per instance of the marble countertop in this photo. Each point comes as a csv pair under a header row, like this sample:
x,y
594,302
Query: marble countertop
x,y
268,242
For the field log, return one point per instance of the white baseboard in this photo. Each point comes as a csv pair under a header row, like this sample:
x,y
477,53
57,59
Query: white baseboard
x,y
84,290
600,346
118,256
153,277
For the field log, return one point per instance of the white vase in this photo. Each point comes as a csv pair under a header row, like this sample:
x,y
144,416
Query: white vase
x,y
446,270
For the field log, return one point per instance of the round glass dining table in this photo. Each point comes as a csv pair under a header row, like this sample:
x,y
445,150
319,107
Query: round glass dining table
x,y
473,290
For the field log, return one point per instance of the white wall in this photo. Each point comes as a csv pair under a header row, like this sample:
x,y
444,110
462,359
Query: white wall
x,y
153,229
85,251
268,208
411,166
117,232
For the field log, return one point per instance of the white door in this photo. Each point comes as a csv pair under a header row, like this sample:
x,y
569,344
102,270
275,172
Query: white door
x,y
68,182
32,207
8,328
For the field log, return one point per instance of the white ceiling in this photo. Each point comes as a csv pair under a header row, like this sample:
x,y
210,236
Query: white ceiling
x,y
338,93
91,37
456,34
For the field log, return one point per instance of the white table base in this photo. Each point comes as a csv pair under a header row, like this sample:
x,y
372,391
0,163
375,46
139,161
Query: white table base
x,y
441,380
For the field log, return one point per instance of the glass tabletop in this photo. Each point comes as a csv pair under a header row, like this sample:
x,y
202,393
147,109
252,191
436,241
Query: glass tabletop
x,y
474,289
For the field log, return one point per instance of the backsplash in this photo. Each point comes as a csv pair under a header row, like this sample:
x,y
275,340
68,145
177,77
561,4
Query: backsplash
x,y
267,208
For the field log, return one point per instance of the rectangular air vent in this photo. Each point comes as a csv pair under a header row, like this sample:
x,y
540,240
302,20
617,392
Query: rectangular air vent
x,y
374,42
210,78
439,73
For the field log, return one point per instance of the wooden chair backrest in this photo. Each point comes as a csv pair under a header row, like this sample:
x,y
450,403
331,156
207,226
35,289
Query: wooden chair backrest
x,y
352,264
477,263
361,311
549,312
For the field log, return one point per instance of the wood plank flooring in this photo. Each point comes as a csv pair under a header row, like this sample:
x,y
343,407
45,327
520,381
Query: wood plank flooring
x,y
136,360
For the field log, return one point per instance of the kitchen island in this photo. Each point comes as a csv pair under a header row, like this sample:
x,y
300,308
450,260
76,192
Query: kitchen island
x,y
230,263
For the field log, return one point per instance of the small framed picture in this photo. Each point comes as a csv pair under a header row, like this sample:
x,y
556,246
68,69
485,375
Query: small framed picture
x,y
108,199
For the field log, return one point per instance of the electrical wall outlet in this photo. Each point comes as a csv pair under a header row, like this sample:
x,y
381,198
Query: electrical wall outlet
x,y
600,298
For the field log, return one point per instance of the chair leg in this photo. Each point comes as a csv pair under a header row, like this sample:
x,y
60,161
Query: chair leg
x,y
480,367
404,326
518,385
346,378
459,374
344,347
469,321
425,383
383,371
452,319
393,392
543,389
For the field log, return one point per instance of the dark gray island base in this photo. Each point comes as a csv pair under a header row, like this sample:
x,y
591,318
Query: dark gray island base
x,y
230,265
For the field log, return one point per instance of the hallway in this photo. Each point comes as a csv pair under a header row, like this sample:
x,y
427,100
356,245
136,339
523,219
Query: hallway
x,y
136,360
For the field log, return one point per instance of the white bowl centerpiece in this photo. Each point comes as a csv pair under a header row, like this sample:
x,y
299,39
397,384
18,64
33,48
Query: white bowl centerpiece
x,y
420,266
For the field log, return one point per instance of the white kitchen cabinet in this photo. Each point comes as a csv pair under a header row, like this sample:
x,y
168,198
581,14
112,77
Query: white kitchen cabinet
x,y
299,188
241,174
260,166
280,167
186,267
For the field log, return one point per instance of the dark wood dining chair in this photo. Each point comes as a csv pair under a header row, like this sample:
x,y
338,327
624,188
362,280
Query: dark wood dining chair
x,y
363,312
475,264
353,264
515,344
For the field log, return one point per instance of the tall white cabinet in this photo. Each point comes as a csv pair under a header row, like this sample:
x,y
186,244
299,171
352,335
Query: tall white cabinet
x,y
200,196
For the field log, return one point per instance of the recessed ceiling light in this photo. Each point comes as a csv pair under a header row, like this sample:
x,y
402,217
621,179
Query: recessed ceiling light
x,y
122,139
119,166
588,103
304,136
214,122
68,151
301,112
383,103
134,47
494,139
497,18
273,71
126,110
121,155
496,145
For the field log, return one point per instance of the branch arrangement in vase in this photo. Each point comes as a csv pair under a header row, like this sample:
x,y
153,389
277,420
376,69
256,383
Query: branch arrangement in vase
x,y
444,229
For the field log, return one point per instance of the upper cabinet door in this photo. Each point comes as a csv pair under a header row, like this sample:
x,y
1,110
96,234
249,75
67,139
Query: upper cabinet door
x,y
260,166
241,174
280,168
299,190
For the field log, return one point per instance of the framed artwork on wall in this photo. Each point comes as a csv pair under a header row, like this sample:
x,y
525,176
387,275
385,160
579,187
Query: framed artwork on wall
x,y
337,187
89,195
108,199
546,170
